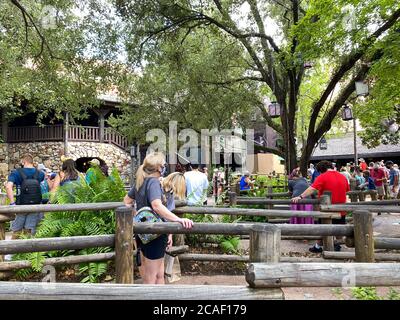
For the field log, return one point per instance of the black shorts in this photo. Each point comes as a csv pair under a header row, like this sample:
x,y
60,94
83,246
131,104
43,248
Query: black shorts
x,y
342,220
154,249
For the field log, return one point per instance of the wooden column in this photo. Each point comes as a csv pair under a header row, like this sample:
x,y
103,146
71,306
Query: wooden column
x,y
327,242
124,245
66,133
265,243
101,126
269,190
363,236
353,186
4,125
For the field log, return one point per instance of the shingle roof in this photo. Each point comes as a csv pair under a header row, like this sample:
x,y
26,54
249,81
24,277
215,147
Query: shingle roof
x,y
341,148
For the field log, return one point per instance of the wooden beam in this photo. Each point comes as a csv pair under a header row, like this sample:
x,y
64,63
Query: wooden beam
x,y
124,245
256,212
352,256
323,275
79,291
59,261
9,210
387,243
237,258
243,228
50,244
257,200
360,206
363,236
265,243
6,218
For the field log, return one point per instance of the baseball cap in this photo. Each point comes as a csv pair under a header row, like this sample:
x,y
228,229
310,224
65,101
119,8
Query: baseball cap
x,y
94,162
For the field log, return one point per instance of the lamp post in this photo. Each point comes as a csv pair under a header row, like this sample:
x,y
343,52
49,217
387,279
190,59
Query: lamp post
x,y
323,144
133,152
347,115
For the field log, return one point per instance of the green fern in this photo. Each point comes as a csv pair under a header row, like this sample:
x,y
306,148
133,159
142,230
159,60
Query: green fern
x,y
69,224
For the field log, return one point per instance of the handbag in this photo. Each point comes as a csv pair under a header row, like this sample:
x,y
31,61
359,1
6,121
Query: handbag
x,y
147,215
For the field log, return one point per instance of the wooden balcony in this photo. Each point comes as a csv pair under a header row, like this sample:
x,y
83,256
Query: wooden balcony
x,y
52,133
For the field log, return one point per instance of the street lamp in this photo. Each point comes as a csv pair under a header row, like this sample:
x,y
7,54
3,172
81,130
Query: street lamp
x,y
323,144
133,153
274,109
361,88
347,113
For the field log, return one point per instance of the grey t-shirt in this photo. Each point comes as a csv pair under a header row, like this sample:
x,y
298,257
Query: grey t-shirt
x,y
149,191
298,186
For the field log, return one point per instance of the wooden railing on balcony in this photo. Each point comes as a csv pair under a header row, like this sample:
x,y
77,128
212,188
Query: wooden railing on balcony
x,y
56,133
80,133
35,133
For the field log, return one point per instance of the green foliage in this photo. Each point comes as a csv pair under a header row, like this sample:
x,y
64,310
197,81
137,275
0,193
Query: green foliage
x,y
365,293
69,224
229,244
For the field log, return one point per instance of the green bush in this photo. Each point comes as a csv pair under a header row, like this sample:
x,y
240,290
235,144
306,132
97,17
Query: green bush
x,y
84,223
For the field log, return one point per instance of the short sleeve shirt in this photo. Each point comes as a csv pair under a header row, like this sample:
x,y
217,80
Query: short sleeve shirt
x,y
149,191
334,182
16,178
379,174
392,174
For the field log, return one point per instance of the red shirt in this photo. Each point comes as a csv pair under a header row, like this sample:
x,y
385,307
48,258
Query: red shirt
x,y
334,182
363,166
377,174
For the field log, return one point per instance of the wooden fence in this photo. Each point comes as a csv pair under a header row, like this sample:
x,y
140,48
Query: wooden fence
x,y
264,249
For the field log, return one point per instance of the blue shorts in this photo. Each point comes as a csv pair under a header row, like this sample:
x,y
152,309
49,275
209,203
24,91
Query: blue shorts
x,y
26,221
154,249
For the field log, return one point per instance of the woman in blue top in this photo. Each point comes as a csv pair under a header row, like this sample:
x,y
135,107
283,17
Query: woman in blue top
x,y
67,174
148,193
245,182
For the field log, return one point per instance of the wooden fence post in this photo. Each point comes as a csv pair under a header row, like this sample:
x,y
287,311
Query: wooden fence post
x,y
374,195
361,196
124,245
265,243
232,199
363,236
269,191
327,242
3,198
353,186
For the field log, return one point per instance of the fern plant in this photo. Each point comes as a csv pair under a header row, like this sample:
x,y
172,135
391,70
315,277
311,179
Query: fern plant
x,y
84,223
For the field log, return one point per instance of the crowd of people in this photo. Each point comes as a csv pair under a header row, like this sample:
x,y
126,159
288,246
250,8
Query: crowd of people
x,y
157,191
34,183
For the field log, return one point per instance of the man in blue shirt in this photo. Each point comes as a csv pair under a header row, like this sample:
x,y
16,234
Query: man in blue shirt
x,y
245,182
393,179
23,223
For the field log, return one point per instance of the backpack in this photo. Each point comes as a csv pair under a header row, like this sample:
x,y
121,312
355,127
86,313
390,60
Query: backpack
x,y
30,191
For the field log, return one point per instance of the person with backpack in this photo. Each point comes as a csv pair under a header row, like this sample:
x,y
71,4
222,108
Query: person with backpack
x,y
148,195
27,181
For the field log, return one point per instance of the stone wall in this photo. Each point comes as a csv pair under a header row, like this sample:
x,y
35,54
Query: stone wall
x,y
10,154
112,155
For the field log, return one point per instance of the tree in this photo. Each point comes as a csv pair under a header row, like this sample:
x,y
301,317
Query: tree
x,y
346,35
52,60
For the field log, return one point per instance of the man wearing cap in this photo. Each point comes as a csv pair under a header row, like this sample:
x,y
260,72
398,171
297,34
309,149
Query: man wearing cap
x,y
393,179
245,182
90,174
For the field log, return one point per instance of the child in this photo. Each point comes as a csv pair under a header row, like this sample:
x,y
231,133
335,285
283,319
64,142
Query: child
x,y
174,186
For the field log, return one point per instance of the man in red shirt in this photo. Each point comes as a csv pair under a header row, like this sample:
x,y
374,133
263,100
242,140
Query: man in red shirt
x,y
363,164
379,176
333,182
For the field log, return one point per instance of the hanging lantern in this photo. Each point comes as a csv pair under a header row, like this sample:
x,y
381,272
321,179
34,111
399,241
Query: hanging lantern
x,y
347,113
323,144
362,88
274,109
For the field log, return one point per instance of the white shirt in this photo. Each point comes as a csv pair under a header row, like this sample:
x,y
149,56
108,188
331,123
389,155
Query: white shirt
x,y
196,187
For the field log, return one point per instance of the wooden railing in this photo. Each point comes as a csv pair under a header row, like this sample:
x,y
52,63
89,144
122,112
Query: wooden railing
x,y
35,133
75,133
114,137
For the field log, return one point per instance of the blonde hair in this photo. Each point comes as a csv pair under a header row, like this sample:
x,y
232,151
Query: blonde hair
x,y
150,165
175,182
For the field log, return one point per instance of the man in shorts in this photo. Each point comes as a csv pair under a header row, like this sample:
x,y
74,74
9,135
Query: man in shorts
x,y
24,223
378,175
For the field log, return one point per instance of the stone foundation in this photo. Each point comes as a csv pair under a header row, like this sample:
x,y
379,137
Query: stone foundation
x,y
10,155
